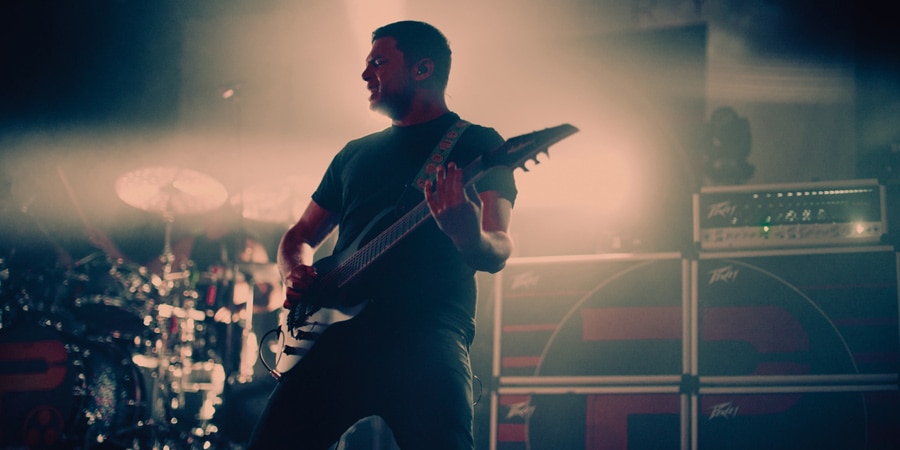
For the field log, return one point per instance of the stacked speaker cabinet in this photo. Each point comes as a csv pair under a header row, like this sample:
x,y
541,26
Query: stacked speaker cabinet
x,y
781,347
589,353
796,349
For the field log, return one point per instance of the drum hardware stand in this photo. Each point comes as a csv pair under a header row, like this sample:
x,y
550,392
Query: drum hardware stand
x,y
177,376
161,391
168,257
246,357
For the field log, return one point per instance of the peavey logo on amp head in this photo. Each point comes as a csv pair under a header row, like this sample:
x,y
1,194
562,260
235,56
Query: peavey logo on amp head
x,y
526,280
725,274
724,209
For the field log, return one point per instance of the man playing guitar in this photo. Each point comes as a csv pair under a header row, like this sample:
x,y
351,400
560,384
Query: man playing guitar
x,y
404,355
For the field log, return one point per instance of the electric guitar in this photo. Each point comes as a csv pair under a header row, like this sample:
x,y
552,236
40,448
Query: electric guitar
x,y
333,298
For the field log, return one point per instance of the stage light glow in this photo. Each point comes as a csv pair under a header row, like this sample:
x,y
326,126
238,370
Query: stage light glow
x,y
302,97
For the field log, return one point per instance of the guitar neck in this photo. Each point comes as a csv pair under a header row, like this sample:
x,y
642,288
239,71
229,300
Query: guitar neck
x,y
511,154
348,269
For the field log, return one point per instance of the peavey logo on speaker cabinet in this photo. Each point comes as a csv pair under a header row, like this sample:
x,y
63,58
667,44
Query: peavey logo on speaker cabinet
x,y
727,410
726,274
522,410
526,280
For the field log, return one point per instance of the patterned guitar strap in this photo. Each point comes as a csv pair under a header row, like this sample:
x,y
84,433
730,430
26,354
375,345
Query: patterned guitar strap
x,y
441,153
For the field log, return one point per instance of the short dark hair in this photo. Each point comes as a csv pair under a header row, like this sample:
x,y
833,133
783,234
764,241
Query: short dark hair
x,y
418,40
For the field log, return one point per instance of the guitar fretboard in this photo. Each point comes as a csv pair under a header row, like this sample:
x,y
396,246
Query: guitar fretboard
x,y
387,239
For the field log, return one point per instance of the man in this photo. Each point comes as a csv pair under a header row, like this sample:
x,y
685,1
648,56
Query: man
x,y
405,357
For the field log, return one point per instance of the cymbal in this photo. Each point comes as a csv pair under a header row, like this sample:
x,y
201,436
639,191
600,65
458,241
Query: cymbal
x,y
170,190
278,201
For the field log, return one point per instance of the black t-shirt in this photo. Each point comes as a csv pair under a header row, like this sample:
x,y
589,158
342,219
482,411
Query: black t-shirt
x,y
423,280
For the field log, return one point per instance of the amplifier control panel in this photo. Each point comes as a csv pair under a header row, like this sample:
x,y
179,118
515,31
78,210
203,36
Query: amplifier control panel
x,y
789,215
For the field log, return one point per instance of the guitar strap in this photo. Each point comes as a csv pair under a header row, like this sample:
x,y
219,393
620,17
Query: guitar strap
x,y
438,156
440,153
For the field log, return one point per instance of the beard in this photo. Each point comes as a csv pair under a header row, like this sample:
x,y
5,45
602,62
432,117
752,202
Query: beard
x,y
397,104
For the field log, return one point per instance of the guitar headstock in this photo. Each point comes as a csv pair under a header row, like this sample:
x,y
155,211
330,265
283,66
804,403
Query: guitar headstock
x,y
517,151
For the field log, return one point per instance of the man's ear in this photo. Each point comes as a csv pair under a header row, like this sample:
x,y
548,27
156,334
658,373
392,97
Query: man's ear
x,y
423,68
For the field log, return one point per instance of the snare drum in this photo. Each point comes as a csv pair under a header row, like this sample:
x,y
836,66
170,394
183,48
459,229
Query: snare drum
x,y
62,391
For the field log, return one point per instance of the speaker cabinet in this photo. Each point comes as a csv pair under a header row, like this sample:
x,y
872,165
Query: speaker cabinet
x,y
806,312
603,315
850,417
619,420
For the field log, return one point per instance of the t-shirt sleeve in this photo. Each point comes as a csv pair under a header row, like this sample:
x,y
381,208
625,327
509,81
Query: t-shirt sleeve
x,y
329,193
499,179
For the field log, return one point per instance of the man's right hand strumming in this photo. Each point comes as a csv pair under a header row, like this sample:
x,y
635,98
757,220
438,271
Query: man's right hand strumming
x,y
297,283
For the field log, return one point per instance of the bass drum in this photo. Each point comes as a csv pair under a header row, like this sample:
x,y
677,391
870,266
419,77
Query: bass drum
x,y
59,391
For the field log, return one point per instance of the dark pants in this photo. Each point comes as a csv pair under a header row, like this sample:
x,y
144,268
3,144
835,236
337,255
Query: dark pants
x,y
418,380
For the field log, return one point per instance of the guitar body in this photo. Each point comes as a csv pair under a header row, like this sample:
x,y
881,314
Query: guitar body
x,y
331,301
295,348
339,293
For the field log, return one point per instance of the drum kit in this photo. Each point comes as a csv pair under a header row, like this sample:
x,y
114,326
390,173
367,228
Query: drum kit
x,y
110,354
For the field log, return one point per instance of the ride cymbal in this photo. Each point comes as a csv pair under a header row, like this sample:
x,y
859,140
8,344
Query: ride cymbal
x,y
170,190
